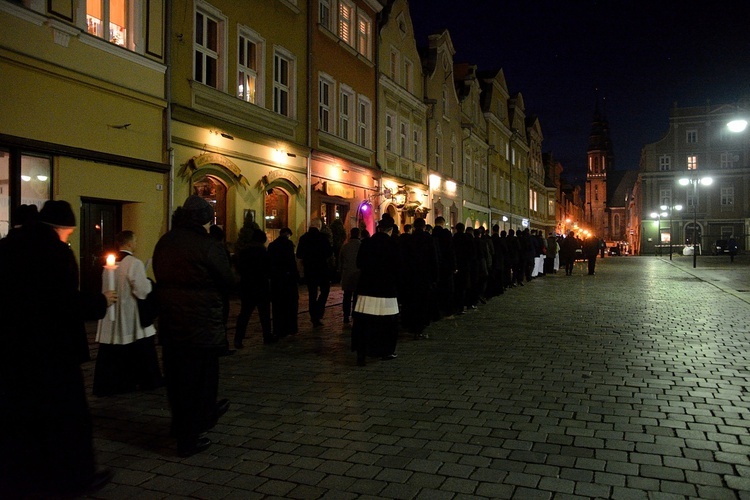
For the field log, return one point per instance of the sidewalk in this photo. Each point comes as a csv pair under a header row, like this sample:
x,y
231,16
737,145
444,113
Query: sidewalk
x,y
632,383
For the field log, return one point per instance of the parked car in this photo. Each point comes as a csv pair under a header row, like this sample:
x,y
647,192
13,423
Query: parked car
x,y
721,247
614,250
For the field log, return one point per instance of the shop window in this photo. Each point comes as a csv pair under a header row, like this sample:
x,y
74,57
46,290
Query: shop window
x,y
29,175
214,191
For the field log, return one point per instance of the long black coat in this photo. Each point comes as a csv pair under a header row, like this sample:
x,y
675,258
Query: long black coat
x,y
379,261
193,272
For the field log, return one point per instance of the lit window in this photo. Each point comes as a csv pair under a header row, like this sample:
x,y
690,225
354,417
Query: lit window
x,y
417,145
363,122
208,46
283,84
325,13
249,67
346,110
325,101
346,18
364,36
692,163
111,13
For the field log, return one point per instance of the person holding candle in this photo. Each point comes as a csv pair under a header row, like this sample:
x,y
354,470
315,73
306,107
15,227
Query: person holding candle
x,y
193,272
46,447
127,356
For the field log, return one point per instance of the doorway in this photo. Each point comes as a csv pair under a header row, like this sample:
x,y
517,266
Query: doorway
x,y
100,222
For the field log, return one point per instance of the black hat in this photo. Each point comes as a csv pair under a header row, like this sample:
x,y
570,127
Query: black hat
x,y
57,213
386,222
199,209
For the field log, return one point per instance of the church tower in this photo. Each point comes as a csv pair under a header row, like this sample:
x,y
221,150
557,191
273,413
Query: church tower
x,y
600,161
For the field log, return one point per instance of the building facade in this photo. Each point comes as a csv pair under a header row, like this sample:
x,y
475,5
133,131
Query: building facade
x,y
697,145
402,118
84,105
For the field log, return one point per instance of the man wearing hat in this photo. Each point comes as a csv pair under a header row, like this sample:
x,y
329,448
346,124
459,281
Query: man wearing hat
x,y
46,443
193,272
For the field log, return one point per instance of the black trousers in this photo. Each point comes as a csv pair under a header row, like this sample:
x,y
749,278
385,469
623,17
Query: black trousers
x,y
285,307
192,377
318,288
122,368
248,302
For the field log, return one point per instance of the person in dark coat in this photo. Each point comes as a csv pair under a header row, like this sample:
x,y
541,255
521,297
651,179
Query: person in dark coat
x,y
497,275
46,446
375,327
254,268
513,273
464,247
193,272
349,272
443,240
568,248
590,252
421,271
284,284
314,249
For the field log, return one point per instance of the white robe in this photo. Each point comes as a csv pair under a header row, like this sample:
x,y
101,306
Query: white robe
x,y
131,283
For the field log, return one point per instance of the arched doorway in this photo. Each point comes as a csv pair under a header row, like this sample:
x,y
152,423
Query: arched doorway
x,y
213,190
276,216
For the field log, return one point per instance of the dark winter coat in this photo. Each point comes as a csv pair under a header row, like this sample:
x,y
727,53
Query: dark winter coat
x,y
193,272
379,262
314,249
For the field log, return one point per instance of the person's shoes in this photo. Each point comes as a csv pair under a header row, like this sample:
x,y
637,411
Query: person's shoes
x,y
201,444
346,321
98,481
228,352
389,357
270,340
317,323
238,345
361,361
424,336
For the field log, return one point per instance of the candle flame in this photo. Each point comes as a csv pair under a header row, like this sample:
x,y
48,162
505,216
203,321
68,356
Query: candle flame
x,y
111,260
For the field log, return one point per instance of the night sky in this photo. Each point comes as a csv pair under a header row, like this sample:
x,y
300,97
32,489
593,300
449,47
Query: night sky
x,y
636,57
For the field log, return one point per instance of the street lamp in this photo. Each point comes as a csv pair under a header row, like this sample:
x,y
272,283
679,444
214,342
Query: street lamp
x,y
705,181
671,212
658,216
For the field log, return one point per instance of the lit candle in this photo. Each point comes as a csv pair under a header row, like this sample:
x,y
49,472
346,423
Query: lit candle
x,y
110,271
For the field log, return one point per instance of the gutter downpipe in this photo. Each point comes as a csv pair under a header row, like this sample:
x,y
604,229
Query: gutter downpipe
x,y
308,175
168,114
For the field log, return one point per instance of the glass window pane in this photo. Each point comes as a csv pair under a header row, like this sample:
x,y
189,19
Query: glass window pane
x,y
211,71
35,180
4,193
212,35
199,28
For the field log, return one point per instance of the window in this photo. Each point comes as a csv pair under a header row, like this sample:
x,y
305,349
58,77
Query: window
x,y
692,136
110,13
728,159
324,13
249,64
691,200
364,36
596,193
438,149
408,75
35,174
346,18
692,163
445,100
283,84
325,102
363,122
209,46
389,122
467,167
454,156
394,69
346,112
665,163
404,137
727,196
665,197
417,145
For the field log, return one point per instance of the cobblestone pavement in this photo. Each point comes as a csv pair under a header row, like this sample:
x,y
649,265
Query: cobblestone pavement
x,y
632,383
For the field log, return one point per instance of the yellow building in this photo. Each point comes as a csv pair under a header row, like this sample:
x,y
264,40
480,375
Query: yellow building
x,y
495,108
443,129
402,118
83,108
520,179
344,180
238,127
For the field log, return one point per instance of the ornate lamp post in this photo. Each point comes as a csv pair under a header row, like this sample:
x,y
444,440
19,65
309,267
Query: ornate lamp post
x,y
671,212
694,181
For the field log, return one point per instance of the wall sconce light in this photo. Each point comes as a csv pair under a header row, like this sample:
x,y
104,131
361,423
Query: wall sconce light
x,y
345,170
